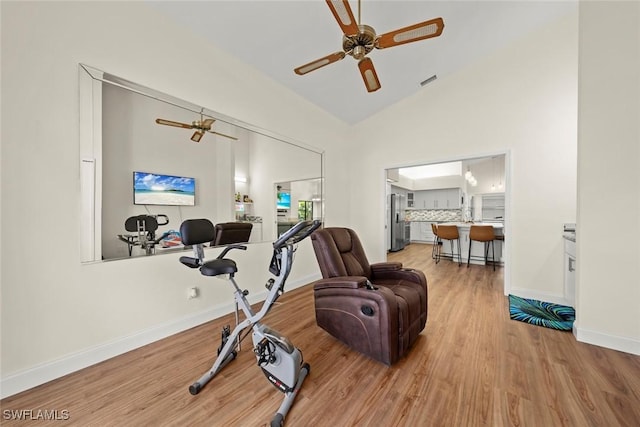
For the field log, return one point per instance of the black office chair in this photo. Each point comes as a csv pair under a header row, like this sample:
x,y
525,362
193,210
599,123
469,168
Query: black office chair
x,y
145,227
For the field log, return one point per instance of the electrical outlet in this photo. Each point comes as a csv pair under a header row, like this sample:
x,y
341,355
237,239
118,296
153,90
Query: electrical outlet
x,y
193,293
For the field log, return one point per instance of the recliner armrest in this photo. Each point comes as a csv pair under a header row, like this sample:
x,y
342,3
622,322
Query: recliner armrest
x,y
385,266
350,282
408,274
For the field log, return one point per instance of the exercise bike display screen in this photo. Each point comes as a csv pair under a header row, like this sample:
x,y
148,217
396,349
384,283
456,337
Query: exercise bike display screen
x,y
165,190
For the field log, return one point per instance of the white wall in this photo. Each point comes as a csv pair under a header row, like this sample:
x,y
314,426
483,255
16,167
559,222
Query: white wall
x,y
608,276
521,100
58,315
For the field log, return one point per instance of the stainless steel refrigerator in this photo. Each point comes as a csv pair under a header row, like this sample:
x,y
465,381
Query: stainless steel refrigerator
x,y
396,222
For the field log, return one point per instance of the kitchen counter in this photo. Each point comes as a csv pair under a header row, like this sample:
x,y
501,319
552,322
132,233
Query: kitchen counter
x,y
464,227
495,225
477,249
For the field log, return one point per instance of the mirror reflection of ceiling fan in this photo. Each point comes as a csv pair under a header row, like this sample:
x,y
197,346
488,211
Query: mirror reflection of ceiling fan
x,y
201,126
358,40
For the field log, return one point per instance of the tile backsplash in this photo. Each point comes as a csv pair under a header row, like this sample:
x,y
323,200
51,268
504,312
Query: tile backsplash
x,y
434,215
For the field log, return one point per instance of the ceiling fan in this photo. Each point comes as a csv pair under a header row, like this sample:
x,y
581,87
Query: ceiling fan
x,y
201,126
358,40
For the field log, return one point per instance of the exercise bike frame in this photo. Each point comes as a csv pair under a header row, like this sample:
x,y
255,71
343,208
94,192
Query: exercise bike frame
x,y
284,366
252,318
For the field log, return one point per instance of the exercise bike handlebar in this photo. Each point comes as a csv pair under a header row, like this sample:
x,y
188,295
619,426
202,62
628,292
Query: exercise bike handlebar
x,y
229,247
297,233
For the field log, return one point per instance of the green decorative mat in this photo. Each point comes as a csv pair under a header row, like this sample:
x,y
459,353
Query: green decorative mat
x,y
540,313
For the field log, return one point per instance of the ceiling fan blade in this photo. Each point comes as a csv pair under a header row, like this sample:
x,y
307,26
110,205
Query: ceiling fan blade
x,y
206,124
421,31
197,136
318,63
343,14
369,74
222,134
172,123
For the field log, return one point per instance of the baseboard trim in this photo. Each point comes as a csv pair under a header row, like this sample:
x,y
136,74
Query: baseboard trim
x,y
613,342
48,371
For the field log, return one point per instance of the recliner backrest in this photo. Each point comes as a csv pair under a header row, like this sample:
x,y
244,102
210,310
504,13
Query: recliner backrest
x,y
232,232
340,253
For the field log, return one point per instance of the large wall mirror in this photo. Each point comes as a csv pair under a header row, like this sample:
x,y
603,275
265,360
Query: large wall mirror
x,y
149,161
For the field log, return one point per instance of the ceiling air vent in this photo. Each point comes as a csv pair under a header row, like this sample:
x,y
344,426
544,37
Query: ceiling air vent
x,y
429,80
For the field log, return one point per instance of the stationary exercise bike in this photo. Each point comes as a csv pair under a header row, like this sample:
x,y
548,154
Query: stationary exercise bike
x,y
280,360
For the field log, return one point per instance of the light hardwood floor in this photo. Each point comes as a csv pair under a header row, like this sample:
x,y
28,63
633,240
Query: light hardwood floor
x,y
471,366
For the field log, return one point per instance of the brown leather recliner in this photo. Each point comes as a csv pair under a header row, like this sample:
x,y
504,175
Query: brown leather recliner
x,y
228,233
376,309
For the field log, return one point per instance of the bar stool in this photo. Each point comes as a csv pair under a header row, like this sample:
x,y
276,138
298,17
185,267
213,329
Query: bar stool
x,y
485,234
450,232
436,242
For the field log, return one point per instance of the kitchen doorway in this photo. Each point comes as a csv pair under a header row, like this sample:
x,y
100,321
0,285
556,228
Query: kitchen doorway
x,y
464,191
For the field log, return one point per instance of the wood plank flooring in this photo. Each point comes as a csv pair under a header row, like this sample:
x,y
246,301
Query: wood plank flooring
x,y
471,366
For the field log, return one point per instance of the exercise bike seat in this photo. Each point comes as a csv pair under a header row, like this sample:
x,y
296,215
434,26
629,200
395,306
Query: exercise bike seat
x,y
217,267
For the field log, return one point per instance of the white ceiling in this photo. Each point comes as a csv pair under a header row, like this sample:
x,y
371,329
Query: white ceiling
x,y
432,171
277,36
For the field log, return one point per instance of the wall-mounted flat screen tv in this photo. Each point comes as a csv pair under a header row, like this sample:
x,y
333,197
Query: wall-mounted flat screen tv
x,y
165,190
284,200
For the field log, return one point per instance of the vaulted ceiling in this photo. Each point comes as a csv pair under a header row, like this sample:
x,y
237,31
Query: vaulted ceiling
x,y
275,37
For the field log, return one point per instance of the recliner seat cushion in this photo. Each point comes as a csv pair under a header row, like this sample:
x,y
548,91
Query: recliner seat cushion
x,y
410,309
394,284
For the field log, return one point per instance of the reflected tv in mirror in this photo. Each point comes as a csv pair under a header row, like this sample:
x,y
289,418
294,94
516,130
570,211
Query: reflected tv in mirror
x,y
164,190
284,200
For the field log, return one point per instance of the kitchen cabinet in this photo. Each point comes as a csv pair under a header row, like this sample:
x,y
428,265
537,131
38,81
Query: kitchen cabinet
x,y
448,198
419,199
432,199
414,231
492,207
421,231
452,198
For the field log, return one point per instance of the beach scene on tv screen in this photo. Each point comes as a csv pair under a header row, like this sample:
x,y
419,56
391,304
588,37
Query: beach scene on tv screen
x,y
284,201
157,189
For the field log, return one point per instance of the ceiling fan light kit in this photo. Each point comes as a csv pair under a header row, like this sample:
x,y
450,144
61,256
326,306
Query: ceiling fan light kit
x,y
358,40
